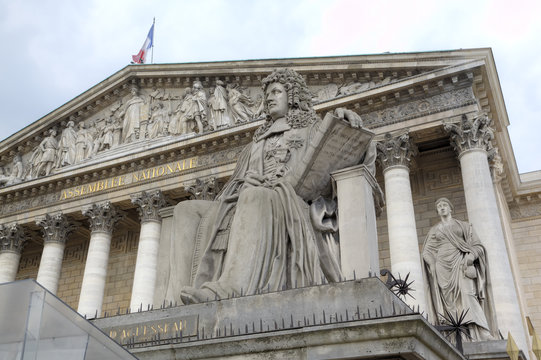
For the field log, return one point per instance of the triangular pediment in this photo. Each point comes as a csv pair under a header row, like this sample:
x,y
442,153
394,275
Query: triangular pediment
x,y
384,89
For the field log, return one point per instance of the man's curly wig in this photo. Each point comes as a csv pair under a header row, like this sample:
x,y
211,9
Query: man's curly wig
x,y
298,95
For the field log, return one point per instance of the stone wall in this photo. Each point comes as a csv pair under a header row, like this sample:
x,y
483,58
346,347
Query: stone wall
x,y
527,234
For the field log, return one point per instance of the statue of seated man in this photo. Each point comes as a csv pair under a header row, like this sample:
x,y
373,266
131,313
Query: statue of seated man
x,y
257,236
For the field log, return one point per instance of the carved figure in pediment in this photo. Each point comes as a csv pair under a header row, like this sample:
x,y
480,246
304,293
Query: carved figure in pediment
x,y
114,114
16,175
107,135
218,106
240,104
157,94
81,143
132,115
93,138
179,123
258,233
456,268
354,88
198,111
159,121
45,155
66,145
329,91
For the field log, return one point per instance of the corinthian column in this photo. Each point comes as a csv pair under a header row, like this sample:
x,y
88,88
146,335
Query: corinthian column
x,y
146,266
12,240
471,139
394,156
102,219
56,229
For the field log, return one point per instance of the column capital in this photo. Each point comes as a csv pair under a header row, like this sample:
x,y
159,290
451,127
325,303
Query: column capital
x,y
203,189
56,228
102,216
471,133
12,238
395,150
149,204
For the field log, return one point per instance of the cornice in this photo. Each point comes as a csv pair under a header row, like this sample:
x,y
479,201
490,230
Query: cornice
x,y
110,88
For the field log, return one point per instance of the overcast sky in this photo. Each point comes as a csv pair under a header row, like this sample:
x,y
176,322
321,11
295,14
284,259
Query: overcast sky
x,y
54,50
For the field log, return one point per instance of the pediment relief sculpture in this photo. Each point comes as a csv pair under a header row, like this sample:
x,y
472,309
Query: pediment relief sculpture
x,y
332,90
143,115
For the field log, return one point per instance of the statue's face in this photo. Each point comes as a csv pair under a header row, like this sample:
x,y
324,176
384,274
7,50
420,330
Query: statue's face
x,y
276,100
443,208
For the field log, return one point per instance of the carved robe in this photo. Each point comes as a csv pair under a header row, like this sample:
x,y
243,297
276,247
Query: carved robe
x,y
66,147
218,107
453,285
132,117
240,106
258,236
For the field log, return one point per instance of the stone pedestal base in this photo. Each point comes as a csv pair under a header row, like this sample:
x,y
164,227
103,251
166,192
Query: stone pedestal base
x,y
357,221
349,320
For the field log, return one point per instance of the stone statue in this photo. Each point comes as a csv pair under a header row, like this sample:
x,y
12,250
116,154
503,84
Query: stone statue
x,y
455,265
158,121
66,146
115,111
132,114
17,171
240,105
107,135
198,111
81,144
45,155
258,235
218,106
179,123
93,138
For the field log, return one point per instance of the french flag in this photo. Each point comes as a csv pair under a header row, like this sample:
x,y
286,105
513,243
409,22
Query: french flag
x,y
142,54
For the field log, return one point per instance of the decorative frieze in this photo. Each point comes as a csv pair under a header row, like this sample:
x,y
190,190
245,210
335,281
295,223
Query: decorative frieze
x,y
129,179
429,105
395,150
12,238
102,217
149,204
471,133
56,228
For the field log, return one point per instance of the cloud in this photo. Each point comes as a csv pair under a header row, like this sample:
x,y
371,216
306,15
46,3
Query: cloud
x,y
56,50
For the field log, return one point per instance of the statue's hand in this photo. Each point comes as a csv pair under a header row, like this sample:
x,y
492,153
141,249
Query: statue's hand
x,y
469,259
350,116
254,179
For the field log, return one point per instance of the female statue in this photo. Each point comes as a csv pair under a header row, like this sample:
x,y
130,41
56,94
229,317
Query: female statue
x,y
132,114
258,235
456,270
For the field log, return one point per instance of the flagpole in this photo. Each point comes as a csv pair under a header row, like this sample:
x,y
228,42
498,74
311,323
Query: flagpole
x,y
152,54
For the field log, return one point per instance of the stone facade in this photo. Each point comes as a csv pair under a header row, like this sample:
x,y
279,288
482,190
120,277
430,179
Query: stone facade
x,y
139,132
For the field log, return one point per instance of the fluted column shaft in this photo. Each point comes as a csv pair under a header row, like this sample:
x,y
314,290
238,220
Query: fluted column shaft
x,y
55,231
472,140
146,266
12,241
102,219
394,156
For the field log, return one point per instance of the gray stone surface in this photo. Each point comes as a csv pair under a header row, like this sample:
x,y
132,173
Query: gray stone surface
x,y
353,319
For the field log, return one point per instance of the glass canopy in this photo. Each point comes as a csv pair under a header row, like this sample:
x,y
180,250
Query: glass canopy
x,y
36,325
